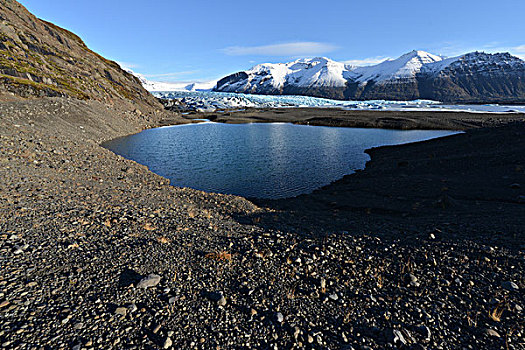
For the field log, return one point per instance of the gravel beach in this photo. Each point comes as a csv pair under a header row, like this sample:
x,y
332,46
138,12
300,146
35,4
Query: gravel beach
x,y
424,249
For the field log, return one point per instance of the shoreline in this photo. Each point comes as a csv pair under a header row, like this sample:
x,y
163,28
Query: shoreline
x,y
403,120
81,226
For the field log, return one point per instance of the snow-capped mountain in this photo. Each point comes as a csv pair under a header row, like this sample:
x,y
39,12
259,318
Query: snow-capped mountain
x,y
165,86
405,67
318,76
473,77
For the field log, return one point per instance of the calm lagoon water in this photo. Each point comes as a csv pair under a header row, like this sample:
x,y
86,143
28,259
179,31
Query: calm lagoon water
x,y
275,160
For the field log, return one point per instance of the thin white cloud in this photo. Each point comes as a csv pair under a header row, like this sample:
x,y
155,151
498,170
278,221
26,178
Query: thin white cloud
x,y
520,49
172,75
127,65
367,61
457,49
304,48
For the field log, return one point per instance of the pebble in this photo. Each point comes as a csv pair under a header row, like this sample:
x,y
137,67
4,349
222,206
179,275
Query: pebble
x,y
296,332
310,339
121,311
510,286
491,333
149,281
425,331
279,317
222,301
217,297
132,307
413,281
167,343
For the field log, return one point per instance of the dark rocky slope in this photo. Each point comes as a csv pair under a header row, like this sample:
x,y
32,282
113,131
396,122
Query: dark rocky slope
x,y
38,58
476,77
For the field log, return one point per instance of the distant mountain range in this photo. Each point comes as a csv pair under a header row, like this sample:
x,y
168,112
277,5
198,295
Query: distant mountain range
x,y
154,86
475,77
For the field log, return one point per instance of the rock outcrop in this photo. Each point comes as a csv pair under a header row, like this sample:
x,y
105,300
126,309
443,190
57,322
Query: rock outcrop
x,y
38,58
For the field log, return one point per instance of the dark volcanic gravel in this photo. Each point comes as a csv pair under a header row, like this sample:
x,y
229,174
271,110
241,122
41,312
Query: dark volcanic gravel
x,y
97,252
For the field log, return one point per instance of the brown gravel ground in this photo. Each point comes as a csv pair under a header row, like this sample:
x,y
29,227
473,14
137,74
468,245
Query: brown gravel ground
x,y
422,250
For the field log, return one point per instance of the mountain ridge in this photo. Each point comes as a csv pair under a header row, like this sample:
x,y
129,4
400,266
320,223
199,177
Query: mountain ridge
x,y
39,58
475,77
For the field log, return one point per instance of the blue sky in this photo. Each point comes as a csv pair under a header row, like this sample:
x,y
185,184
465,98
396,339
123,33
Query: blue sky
x,y
200,40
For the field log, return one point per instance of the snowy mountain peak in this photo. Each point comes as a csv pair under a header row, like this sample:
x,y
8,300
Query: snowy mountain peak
x,y
417,74
166,86
404,67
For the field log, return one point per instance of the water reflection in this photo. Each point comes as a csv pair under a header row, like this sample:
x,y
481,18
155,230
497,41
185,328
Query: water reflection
x,y
257,160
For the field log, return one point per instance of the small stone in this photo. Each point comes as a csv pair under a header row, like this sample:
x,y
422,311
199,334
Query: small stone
x,y
253,312
157,329
310,339
412,280
149,281
425,331
333,296
4,304
172,300
132,307
491,333
395,336
323,285
411,277
17,250
167,343
77,347
218,298
296,332
509,285
78,325
222,301
279,317
121,311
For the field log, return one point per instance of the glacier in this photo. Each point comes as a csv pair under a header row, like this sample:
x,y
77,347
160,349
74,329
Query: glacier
x,y
210,101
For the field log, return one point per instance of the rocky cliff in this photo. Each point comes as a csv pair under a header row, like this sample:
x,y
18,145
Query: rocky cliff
x,y
38,58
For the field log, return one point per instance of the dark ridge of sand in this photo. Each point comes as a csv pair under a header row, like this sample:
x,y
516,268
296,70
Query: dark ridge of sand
x,y
363,119
474,180
420,250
